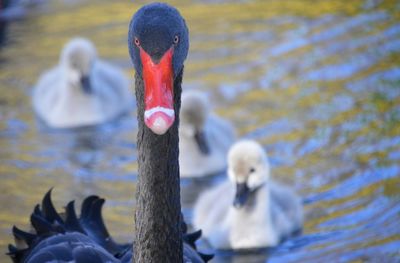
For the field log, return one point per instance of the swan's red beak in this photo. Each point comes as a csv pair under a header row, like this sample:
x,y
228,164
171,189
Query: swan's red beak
x,y
159,112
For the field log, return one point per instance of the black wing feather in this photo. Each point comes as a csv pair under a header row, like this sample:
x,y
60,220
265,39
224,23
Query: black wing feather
x,y
49,211
28,238
71,219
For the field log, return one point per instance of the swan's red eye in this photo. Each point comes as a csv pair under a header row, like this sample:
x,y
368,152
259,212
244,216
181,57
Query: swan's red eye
x,y
137,42
176,40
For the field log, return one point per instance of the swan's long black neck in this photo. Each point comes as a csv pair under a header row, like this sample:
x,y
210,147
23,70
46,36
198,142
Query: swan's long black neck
x,y
158,236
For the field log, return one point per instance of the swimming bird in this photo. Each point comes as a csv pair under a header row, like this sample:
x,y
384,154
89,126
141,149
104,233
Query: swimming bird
x,y
250,210
204,138
82,90
158,43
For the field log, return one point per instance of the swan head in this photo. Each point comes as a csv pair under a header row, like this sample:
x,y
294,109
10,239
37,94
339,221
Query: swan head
x,y
248,169
158,41
194,113
77,59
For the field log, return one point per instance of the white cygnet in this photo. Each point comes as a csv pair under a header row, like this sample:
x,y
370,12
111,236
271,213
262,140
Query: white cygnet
x,y
81,90
249,210
204,138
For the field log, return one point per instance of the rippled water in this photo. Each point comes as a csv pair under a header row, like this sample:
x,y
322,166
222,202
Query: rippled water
x,y
316,82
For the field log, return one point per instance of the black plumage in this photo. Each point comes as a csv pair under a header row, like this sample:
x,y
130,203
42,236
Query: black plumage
x,y
67,237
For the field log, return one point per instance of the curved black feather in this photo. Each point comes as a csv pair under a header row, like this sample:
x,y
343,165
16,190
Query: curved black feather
x,y
94,225
37,211
192,238
86,204
71,219
49,211
93,220
41,226
28,238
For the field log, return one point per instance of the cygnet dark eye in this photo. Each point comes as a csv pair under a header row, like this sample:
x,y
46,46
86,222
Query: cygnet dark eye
x,y
137,42
252,170
176,40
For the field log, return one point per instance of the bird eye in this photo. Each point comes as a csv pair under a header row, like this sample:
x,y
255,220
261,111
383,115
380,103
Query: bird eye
x,y
176,40
252,170
137,42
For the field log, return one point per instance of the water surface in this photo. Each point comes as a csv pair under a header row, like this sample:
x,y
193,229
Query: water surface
x,y
316,82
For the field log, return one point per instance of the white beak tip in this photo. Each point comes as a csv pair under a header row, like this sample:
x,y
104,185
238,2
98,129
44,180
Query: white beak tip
x,y
159,122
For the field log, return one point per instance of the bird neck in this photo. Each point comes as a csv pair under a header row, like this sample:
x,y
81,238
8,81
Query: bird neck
x,y
158,236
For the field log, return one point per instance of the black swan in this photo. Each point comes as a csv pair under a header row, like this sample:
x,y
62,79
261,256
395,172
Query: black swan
x,y
158,44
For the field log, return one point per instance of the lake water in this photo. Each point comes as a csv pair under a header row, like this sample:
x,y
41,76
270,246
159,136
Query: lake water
x,y
316,82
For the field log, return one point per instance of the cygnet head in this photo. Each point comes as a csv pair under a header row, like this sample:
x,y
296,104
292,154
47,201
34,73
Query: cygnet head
x,y
248,168
194,113
77,58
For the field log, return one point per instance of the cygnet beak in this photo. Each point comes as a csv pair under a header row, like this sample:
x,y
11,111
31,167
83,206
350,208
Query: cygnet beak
x,y
242,194
201,141
86,85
